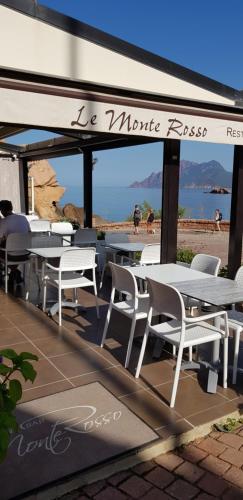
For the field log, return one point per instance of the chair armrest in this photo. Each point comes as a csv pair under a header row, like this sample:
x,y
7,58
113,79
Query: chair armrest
x,y
51,267
205,317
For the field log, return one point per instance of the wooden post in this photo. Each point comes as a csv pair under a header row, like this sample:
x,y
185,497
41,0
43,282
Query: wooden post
x,y
170,194
236,214
26,186
88,188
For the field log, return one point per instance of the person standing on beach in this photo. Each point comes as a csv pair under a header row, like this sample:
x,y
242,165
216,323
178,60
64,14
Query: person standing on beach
x,y
217,218
137,216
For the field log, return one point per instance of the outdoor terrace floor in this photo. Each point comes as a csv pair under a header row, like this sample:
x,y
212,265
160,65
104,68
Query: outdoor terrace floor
x,y
70,357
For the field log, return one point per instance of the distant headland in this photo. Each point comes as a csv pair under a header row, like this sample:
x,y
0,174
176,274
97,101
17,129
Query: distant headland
x,y
209,175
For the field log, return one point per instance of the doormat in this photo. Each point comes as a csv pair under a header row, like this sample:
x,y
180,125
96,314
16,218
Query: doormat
x,y
65,433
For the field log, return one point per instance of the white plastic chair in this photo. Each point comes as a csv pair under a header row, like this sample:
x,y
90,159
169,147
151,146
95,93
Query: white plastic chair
x,y
149,255
135,306
236,324
180,331
206,264
110,254
70,275
38,240
64,228
16,245
40,226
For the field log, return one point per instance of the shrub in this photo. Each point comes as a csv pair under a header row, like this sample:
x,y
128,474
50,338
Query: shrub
x,y
11,392
185,255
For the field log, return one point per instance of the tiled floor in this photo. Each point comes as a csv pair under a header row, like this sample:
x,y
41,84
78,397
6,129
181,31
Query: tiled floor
x,y
70,356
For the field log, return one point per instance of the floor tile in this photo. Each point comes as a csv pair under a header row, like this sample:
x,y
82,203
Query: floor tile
x,y
190,398
56,346
10,336
78,363
45,390
112,379
154,412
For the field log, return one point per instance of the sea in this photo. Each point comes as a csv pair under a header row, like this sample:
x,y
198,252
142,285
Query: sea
x,y
117,203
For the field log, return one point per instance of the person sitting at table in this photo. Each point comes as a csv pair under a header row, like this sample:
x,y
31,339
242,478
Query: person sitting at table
x,y
12,223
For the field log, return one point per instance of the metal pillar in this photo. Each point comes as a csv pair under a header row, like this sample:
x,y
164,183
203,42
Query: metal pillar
x,y
88,188
26,186
170,194
236,214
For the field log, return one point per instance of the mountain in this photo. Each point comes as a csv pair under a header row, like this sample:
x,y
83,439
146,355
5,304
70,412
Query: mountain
x,y
192,175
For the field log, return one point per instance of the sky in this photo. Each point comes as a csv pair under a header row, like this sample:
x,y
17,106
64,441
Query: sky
x,y
205,36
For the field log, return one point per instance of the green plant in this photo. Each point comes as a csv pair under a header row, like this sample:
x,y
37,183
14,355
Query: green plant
x,y
100,235
181,212
185,255
229,425
75,223
11,392
223,272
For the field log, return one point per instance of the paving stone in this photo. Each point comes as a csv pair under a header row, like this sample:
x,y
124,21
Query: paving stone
x,y
205,496
169,461
135,486
94,488
215,434
190,472
140,469
233,494
156,494
119,477
182,490
212,484
110,493
233,440
235,476
212,446
232,456
193,453
215,465
159,477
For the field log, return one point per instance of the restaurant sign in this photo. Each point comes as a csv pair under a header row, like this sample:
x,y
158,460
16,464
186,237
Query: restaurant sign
x,y
97,115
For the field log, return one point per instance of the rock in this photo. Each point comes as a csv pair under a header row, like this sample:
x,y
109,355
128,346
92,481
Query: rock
x,y
46,190
219,190
76,214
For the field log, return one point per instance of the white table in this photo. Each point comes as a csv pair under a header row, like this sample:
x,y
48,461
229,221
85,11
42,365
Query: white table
x,y
168,273
127,247
50,252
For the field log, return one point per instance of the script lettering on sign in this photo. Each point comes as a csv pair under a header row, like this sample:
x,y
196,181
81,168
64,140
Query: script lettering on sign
x,y
177,127
58,437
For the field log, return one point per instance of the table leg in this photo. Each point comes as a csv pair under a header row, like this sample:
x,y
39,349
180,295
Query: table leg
x,y
213,369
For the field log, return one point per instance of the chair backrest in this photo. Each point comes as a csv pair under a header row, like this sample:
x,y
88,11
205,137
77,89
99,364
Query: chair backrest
x,y
239,275
150,254
123,280
75,259
18,243
166,300
116,237
45,241
40,226
85,236
206,263
61,227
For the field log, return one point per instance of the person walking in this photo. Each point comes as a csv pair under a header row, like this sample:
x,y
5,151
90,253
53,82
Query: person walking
x,y
150,221
217,218
137,216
